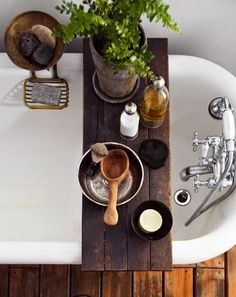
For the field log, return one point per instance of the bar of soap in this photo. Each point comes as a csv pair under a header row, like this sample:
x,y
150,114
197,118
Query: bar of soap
x,y
150,221
45,94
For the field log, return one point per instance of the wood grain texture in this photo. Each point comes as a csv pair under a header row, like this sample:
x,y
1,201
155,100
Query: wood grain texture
x,y
4,280
231,272
147,284
54,281
159,180
209,282
137,246
179,282
217,262
24,282
115,236
85,282
182,281
118,248
117,284
92,214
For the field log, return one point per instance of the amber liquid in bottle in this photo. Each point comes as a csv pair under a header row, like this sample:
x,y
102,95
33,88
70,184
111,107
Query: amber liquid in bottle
x,y
154,106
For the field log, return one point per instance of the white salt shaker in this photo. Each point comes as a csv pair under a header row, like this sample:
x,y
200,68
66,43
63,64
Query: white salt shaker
x,y
129,122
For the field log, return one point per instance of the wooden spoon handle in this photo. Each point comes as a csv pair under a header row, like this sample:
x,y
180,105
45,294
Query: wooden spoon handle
x,y
111,214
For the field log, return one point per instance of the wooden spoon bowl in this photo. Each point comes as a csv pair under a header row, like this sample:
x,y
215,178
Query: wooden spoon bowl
x,y
114,168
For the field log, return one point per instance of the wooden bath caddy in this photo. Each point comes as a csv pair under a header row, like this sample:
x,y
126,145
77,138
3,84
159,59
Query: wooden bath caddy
x,y
117,247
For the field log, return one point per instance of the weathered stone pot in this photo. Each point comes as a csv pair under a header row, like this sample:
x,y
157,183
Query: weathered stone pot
x,y
114,85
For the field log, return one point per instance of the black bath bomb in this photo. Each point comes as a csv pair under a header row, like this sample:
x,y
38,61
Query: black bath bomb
x,y
43,54
27,44
153,153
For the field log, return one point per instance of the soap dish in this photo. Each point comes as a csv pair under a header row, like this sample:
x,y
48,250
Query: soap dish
x,y
55,81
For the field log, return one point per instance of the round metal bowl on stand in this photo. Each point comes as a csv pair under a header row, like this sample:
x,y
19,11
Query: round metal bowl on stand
x,y
96,188
23,23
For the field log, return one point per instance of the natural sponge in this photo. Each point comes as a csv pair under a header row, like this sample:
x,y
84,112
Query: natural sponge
x,y
153,152
44,34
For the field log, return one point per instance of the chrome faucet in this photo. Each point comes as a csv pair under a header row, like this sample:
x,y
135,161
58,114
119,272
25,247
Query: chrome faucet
x,y
210,163
219,161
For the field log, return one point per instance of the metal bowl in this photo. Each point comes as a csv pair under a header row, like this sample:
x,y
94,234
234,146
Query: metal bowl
x,y
96,188
22,23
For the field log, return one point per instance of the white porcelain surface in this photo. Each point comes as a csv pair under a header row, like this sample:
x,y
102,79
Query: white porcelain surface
x,y
194,82
40,200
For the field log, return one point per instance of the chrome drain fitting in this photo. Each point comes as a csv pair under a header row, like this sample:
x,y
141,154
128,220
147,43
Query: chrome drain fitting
x,y
182,197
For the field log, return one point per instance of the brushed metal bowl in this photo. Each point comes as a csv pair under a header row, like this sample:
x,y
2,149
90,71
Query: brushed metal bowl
x,y
22,23
96,189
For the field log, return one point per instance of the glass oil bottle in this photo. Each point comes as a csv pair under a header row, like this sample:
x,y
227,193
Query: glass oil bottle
x,y
154,104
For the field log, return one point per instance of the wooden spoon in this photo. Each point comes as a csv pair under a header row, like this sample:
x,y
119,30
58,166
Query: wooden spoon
x,y
114,168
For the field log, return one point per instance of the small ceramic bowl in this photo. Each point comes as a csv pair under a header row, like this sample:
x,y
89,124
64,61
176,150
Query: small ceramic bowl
x,y
162,211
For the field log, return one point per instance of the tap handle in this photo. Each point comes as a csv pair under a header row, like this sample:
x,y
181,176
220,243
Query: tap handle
x,y
196,183
199,183
205,149
195,141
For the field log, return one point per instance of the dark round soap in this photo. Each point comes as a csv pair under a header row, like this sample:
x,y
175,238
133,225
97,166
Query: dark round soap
x,y
28,43
153,152
43,54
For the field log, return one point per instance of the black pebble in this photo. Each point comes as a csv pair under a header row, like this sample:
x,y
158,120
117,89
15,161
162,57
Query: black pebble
x,y
153,153
28,43
43,54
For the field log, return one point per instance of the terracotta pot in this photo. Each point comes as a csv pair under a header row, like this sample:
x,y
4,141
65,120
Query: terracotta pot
x,y
116,85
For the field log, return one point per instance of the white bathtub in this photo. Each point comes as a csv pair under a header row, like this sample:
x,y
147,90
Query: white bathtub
x,y
40,205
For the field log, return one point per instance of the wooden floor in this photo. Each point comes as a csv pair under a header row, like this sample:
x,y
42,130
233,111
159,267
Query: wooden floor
x,y
214,278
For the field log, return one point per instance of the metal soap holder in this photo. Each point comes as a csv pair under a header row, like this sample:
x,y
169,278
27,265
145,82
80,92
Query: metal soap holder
x,y
22,23
55,81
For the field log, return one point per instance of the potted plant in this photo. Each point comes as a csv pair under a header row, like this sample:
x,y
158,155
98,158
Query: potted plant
x,y
118,44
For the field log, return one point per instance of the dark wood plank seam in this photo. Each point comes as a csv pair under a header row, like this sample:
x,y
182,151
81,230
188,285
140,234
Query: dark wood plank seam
x,y
8,289
39,288
226,273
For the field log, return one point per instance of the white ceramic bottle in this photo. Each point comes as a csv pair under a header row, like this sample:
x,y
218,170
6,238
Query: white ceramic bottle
x,y
129,122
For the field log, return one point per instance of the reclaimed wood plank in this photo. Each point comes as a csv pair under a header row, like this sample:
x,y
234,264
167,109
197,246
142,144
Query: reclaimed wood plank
x,y
85,282
159,184
93,240
136,245
117,284
231,272
179,282
54,281
25,265
117,248
184,266
209,282
115,236
24,282
4,280
147,284
217,262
